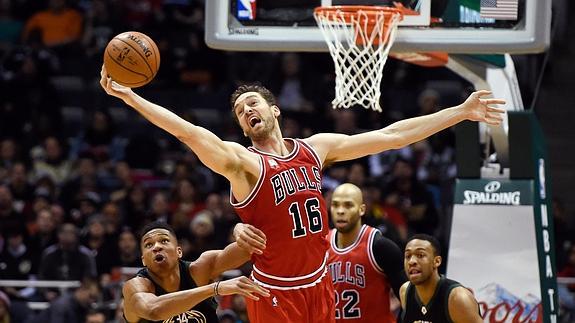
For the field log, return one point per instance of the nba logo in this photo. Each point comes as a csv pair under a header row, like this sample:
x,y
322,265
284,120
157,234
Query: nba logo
x,y
246,9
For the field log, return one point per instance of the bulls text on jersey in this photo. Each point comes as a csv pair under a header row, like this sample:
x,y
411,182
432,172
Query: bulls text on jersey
x,y
347,272
293,180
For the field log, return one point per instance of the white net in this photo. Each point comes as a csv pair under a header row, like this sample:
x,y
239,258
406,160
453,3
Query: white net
x,y
359,44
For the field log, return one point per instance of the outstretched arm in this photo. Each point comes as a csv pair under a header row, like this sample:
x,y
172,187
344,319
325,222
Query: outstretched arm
x,y
141,303
212,263
221,157
463,307
337,147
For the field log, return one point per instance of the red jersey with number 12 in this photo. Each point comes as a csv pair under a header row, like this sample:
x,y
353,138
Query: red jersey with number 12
x,y
287,205
362,290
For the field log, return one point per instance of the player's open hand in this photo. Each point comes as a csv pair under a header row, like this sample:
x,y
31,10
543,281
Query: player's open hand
x,y
111,87
479,109
250,238
243,286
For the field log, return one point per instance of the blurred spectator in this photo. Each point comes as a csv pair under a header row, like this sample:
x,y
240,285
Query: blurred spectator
x,y
201,235
294,90
142,14
9,155
112,218
100,139
185,204
566,293
22,190
122,182
102,245
44,233
135,206
159,208
52,161
67,260
409,196
87,205
18,262
9,216
95,316
228,316
128,250
83,179
72,306
100,25
59,25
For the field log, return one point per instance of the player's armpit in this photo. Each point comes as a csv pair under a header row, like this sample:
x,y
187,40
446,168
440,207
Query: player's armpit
x,y
402,294
463,307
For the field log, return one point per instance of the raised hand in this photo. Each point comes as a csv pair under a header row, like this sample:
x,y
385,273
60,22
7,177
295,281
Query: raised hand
x,y
111,87
478,109
243,286
250,238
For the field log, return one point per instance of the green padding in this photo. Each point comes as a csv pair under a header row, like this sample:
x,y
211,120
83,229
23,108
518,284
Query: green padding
x,y
471,4
495,59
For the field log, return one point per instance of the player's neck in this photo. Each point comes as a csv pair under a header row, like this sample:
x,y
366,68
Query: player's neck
x,y
345,240
274,144
168,280
426,290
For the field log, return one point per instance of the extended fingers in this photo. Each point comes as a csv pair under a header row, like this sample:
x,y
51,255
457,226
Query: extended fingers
x,y
496,110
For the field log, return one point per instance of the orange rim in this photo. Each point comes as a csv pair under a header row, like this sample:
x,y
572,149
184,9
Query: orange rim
x,y
352,11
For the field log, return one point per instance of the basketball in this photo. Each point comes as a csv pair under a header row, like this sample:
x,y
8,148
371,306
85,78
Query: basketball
x,y
132,59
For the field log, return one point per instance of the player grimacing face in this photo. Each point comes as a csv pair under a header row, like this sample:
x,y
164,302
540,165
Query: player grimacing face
x,y
160,250
255,116
420,261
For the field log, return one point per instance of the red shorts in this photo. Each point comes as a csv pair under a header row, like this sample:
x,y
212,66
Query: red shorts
x,y
313,304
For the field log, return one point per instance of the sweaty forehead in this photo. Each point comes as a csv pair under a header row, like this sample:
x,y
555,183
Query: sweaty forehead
x,y
246,95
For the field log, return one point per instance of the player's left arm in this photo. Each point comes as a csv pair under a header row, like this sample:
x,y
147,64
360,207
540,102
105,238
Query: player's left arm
x,y
389,258
338,147
212,263
463,307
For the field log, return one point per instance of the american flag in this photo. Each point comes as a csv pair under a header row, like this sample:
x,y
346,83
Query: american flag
x,y
499,9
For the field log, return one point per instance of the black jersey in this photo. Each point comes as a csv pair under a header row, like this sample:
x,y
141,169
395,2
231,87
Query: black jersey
x,y
436,311
204,312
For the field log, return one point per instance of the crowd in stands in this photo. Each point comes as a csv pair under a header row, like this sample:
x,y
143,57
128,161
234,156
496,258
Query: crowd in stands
x,y
80,173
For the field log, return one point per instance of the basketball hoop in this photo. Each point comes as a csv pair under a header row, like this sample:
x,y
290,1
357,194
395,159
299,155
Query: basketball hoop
x,y
359,39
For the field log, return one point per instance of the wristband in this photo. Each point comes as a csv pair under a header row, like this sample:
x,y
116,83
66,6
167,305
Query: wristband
x,y
216,289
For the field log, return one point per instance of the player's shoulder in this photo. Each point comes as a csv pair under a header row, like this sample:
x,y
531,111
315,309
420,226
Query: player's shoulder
x,y
138,284
460,296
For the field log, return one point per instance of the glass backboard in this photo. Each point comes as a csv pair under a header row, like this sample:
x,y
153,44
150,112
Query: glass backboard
x,y
453,26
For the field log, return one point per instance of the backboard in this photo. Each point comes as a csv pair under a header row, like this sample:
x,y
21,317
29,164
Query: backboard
x,y
452,26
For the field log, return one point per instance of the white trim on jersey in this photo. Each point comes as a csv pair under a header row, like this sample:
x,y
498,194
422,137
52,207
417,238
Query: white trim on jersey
x,y
289,156
347,249
291,279
290,287
370,254
312,151
255,190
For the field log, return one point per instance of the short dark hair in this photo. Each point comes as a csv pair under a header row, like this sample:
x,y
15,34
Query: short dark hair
x,y
156,225
253,87
431,239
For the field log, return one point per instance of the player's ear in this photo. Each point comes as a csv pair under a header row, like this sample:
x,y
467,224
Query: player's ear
x,y
437,261
179,250
276,110
362,209
143,262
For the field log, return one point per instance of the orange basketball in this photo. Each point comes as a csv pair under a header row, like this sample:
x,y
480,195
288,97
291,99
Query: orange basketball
x,y
132,59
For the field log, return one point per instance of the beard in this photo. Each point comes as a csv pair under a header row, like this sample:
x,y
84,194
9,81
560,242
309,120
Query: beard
x,y
264,133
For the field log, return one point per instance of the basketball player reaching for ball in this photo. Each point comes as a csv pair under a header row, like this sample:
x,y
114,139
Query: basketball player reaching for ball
x,y
276,187
169,289
364,265
428,296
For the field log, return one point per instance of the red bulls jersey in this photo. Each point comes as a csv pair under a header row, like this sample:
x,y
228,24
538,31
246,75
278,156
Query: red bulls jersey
x,y
287,205
362,291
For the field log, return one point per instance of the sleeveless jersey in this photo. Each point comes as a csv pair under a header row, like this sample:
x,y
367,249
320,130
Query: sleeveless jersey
x,y
287,205
203,312
436,311
362,290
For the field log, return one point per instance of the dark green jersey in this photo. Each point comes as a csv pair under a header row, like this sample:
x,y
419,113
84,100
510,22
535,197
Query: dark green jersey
x,y
435,311
204,312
